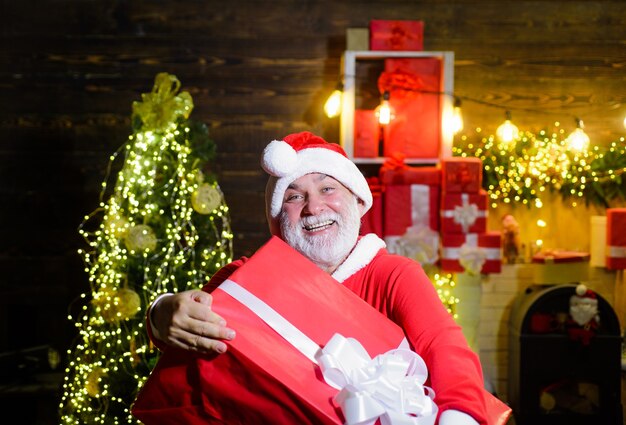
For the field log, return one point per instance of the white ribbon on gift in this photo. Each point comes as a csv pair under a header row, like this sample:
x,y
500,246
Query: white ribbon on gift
x,y
419,241
389,387
465,214
616,251
471,253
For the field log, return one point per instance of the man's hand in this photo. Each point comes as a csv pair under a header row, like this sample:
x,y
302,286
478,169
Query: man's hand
x,y
186,321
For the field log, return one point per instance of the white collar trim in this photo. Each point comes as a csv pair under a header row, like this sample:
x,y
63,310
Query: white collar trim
x,y
363,253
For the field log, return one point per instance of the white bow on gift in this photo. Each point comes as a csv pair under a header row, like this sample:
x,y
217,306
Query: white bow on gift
x,y
389,387
472,258
419,243
465,215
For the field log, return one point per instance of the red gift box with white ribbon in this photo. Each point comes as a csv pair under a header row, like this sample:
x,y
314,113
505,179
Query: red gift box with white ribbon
x,y
411,211
471,252
461,174
616,238
464,212
396,35
274,371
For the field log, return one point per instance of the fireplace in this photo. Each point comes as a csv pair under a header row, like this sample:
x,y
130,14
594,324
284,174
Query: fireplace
x,y
561,372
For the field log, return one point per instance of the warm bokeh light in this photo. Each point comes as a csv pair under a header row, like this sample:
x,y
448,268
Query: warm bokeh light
x,y
332,107
384,113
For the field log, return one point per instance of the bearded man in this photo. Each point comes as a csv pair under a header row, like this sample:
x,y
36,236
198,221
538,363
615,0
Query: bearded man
x,y
315,198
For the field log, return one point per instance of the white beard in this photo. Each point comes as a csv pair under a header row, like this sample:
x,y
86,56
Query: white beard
x,y
325,251
583,310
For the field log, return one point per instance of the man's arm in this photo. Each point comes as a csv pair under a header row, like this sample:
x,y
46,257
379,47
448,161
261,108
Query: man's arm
x,y
454,369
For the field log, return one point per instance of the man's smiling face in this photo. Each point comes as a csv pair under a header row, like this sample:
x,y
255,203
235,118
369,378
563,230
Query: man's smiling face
x,y
321,218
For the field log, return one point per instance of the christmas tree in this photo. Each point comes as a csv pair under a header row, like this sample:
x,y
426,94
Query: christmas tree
x,y
164,227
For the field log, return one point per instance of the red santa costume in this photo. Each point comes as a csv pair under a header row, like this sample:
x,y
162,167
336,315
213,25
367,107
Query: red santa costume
x,y
395,286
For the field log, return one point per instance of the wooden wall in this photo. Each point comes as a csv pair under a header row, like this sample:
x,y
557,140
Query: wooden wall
x,y
257,70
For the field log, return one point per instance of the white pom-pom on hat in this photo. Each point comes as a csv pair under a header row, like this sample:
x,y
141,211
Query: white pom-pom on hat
x,y
279,159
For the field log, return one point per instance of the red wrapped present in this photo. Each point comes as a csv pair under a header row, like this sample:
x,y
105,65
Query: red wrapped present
x,y
270,372
411,221
372,221
460,174
366,134
395,171
414,87
410,205
471,252
616,238
396,35
464,212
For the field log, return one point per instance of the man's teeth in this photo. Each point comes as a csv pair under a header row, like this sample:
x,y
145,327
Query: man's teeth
x,y
320,225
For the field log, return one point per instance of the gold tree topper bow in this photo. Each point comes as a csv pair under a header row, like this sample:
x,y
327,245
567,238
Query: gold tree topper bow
x,y
163,106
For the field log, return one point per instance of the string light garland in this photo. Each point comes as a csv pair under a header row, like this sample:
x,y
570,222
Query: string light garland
x,y
521,171
444,285
146,239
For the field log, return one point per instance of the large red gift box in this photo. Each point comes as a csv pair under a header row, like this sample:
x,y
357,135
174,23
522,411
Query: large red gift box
x,y
262,378
396,35
616,238
414,85
461,174
372,220
471,252
464,212
366,133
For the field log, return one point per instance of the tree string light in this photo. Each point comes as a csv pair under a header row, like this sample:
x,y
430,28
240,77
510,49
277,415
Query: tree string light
x,y
148,239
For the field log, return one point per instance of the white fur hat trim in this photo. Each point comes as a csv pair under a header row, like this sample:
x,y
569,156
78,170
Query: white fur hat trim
x,y
282,161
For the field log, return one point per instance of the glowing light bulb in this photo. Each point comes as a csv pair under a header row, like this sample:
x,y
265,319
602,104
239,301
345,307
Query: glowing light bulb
x,y
457,117
507,132
578,139
383,111
332,107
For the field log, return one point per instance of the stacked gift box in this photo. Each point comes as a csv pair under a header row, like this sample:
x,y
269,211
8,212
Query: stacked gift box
x,y
410,219
414,86
616,238
466,245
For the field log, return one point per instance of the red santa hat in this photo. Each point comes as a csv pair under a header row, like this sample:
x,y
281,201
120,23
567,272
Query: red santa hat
x,y
304,153
583,292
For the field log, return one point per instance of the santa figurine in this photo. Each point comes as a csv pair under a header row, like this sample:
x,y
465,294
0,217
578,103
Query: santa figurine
x,y
584,318
510,238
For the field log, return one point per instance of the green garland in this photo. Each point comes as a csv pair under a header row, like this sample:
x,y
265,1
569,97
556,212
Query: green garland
x,y
519,172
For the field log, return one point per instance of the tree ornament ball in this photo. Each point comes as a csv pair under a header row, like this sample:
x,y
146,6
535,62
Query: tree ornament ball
x,y
117,226
92,383
205,199
141,238
128,303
